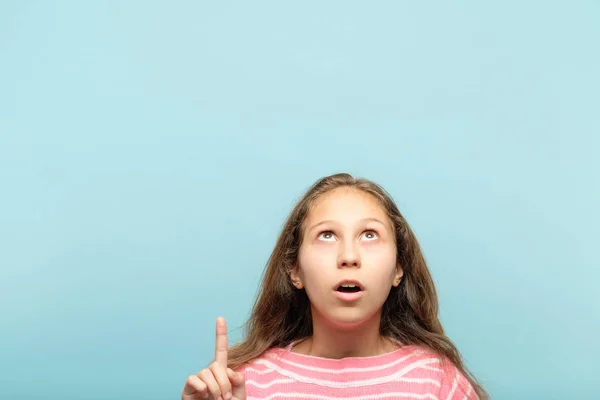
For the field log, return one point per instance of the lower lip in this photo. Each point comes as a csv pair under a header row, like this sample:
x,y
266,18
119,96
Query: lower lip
x,y
348,296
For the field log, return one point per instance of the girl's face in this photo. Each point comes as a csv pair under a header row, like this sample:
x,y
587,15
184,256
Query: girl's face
x,y
348,240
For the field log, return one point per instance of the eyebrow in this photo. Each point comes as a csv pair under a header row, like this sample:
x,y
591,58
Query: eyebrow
x,y
335,222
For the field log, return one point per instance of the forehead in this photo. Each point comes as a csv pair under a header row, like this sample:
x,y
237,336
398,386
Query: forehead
x,y
346,204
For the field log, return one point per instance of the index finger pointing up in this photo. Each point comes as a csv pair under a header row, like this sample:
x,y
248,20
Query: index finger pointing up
x,y
221,346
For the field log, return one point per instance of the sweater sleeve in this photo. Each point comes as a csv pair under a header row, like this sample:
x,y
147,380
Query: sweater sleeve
x,y
455,386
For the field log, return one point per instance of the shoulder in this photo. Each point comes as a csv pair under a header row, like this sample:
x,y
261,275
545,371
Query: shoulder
x,y
265,363
424,364
454,385
264,375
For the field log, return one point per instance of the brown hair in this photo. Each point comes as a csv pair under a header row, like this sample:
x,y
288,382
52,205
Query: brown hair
x,y
281,313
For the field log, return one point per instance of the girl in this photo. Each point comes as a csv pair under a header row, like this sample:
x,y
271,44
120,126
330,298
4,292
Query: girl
x,y
347,310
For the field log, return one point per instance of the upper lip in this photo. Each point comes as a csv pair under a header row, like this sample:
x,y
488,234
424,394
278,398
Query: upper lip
x,y
349,282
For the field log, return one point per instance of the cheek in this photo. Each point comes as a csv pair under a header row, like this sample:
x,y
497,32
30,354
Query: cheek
x,y
380,253
315,266
313,254
383,265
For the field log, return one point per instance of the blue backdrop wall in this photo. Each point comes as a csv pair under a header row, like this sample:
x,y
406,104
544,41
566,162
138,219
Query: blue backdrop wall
x,y
149,153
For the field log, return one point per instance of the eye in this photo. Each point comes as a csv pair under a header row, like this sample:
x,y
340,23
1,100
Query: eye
x,y
370,235
326,235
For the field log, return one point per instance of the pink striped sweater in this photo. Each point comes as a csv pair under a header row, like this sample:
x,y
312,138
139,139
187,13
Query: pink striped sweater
x,y
411,372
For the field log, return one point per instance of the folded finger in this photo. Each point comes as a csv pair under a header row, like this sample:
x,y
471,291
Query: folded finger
x,y
238,383
194,385
209,380
220,375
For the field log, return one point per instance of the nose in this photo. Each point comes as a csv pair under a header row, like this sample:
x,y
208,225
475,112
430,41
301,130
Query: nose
x,y
348,256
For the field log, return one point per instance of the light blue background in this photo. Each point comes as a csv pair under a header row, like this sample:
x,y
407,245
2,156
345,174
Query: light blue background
x,y
150,151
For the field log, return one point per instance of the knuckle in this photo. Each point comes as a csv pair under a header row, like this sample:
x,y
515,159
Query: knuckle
x,y
204,373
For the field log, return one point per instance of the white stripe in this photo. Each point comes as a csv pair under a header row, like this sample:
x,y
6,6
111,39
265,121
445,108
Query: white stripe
x,y
259,371
251,382
284,395
454,385
419,380
416,364
468,393
383,379
269,370
433,369
344,370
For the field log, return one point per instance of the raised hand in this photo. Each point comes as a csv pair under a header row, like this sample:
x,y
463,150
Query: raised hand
x,y
217,382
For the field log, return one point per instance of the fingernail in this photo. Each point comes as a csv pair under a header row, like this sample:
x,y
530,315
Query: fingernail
x,y
227,396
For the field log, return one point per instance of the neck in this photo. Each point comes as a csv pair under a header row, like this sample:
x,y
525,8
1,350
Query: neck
x,y
334,341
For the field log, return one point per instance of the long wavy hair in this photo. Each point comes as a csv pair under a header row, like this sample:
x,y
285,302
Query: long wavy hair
x,y
281,313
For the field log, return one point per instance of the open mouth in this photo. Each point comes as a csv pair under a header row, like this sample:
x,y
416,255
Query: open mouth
x,y
349,288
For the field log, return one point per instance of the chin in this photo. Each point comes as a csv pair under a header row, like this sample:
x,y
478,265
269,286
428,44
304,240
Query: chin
x,y
350,318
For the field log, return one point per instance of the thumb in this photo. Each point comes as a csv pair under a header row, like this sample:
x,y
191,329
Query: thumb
x,y
238,383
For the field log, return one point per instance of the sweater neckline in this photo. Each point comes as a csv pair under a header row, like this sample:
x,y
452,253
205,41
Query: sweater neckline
x,y
334,363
